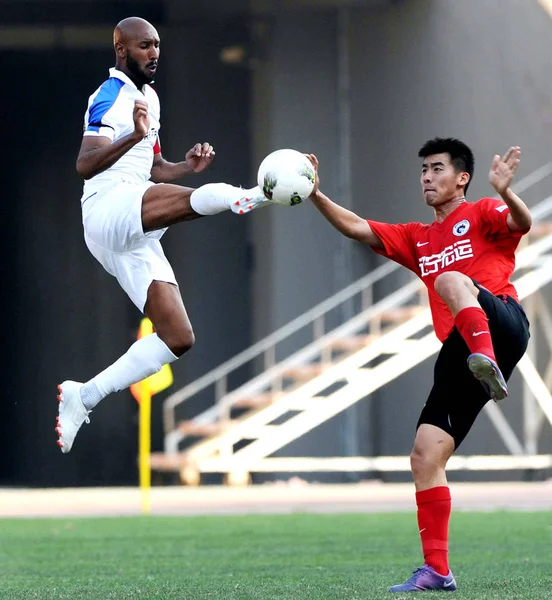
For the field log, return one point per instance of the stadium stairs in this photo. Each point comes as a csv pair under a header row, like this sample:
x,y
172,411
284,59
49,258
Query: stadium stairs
x,y
344,349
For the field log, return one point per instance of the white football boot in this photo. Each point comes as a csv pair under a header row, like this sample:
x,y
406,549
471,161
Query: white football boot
x,y
72,414
253,198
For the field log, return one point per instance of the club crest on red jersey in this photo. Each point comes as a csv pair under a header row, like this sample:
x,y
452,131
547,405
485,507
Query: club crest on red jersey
x,y
461,228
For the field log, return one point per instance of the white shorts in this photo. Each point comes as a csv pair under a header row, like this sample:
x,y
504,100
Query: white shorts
x,y
112,220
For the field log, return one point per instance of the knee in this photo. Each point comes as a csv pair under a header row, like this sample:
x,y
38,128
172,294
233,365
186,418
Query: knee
x,y
423,464
179,342
445,283
420,463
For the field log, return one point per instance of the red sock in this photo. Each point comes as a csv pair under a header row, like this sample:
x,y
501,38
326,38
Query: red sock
x,y
434,506
473,325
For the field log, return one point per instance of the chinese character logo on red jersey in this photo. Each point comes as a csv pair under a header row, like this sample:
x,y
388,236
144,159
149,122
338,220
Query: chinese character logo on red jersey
x,y
434,263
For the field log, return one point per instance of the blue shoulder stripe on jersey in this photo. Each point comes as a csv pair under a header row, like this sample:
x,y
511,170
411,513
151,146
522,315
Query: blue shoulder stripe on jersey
x,y
103,101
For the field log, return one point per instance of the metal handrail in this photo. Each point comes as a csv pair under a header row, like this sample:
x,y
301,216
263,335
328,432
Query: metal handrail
x,y
294,399
303,320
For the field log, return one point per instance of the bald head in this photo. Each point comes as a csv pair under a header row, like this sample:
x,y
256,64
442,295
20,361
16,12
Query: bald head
x,y
131,28
136,44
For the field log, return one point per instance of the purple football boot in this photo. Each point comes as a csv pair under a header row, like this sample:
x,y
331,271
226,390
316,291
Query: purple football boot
x,y
486,371
426,578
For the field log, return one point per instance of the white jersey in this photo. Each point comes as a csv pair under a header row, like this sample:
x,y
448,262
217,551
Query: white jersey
x,y
110,114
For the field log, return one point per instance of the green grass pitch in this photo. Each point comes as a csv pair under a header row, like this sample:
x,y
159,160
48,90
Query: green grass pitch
x,y
496,555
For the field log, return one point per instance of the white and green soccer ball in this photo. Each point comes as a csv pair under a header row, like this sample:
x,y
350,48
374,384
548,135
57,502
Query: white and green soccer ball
x,y
286,177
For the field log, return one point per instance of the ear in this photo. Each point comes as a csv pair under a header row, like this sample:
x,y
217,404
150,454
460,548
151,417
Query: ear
x,y
120,50
463,178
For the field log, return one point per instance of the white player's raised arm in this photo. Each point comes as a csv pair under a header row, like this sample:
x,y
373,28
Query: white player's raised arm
x,y
98,153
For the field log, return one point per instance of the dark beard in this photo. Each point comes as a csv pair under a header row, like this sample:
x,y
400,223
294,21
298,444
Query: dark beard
x,y
138,75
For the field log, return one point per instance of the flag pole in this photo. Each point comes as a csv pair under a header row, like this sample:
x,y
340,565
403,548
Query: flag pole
x,y
143,392
145,446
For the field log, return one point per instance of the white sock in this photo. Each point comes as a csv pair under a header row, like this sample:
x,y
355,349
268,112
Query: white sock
x,y
144,358
212,198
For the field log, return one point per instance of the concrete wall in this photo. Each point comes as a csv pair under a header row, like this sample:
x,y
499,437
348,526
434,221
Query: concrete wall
x,y
474,70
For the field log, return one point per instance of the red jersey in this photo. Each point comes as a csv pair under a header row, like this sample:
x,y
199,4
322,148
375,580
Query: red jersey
x,y
474,240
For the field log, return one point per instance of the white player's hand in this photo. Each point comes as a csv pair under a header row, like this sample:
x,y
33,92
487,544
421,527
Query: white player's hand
x,y
141,118
200,157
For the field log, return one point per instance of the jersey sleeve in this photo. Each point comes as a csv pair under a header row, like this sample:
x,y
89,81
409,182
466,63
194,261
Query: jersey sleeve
x,y
494,214
397,240
100,119
101,124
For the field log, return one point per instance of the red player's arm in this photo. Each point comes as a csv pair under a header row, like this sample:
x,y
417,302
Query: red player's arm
x,y
345,221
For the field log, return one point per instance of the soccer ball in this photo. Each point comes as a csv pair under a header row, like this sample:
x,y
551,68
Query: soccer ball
x,y
286,177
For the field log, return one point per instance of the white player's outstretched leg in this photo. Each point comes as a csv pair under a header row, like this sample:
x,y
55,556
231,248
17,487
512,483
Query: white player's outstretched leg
x,y
213,198
72,414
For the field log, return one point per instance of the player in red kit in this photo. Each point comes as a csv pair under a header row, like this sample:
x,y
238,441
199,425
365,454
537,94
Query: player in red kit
x,y
465,258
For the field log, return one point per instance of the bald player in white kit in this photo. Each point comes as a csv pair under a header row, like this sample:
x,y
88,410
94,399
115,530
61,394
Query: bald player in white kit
x,y
127,205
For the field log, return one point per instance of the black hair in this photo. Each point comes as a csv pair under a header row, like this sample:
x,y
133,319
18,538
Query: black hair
x,y
461,157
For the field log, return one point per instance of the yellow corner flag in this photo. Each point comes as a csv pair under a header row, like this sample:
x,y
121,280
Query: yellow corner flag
x,y
158,381
142,392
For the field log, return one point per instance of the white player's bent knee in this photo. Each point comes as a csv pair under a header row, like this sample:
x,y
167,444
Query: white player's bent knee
x,y
179,345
